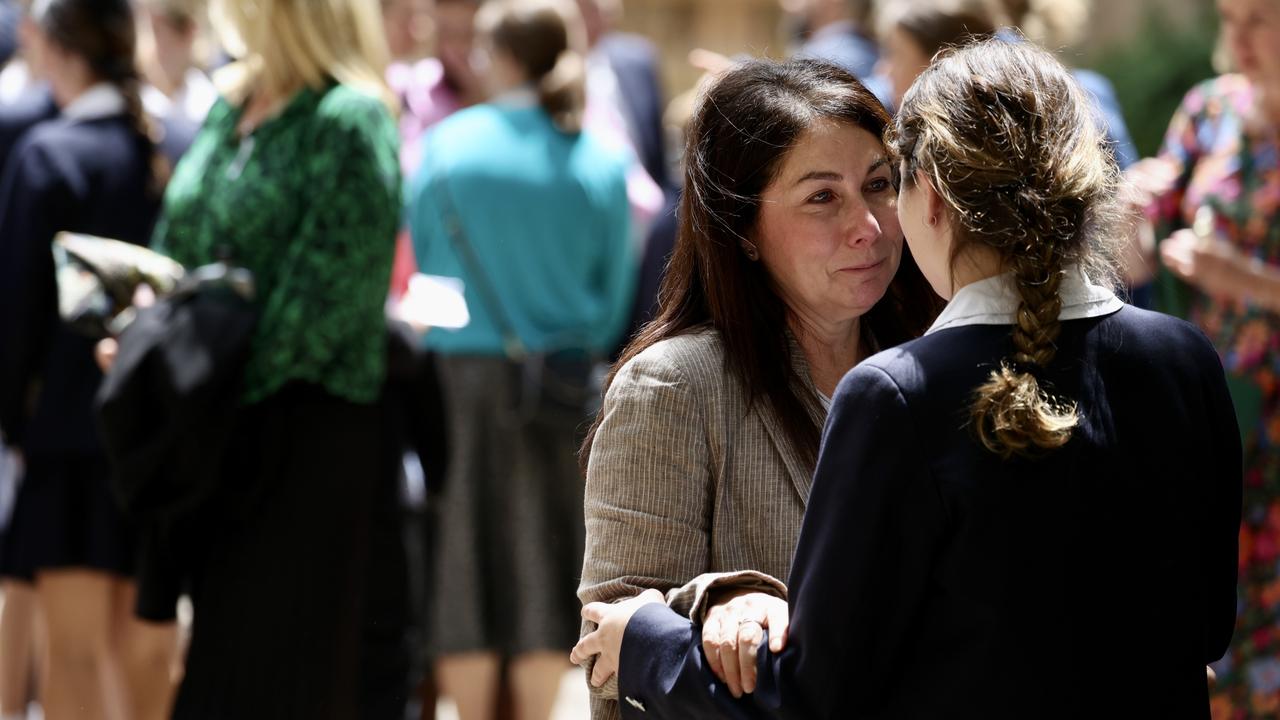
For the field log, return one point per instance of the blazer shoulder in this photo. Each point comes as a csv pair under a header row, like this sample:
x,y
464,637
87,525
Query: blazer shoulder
x,y
1159,335
695,358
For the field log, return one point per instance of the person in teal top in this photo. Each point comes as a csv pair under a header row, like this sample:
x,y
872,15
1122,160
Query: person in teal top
x,y
532,214
544,211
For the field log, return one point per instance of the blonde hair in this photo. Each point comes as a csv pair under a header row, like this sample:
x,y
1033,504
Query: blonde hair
x,y
1009,141
546,39
285,45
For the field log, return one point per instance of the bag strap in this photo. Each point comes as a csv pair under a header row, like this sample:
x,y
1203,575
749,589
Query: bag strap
x,y
511,343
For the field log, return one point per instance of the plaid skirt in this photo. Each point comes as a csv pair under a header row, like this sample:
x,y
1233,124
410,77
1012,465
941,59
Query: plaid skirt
x,y
509,533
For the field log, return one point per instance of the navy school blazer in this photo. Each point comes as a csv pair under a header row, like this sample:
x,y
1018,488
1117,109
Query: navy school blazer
x,y
86,176
933,580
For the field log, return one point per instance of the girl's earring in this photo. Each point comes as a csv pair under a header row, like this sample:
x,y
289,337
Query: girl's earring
x,y
752,252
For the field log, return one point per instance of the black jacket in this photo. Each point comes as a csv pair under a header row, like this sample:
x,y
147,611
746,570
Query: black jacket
x,y
80,176
933,580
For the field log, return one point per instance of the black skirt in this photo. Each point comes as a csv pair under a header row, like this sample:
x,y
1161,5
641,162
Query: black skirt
x,y
65,517
278,589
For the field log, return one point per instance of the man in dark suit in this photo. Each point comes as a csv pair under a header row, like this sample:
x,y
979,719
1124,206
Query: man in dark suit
x,y
637,94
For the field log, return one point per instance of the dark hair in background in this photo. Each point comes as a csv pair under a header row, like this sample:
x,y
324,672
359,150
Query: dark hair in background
x,y
936,24
540,36
1008,139
103,32
745,125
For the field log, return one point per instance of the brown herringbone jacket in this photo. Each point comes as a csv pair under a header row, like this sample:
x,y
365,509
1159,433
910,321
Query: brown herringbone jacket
x,y
685,482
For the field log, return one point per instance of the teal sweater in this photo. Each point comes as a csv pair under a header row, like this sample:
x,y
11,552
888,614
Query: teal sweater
x,y
545,213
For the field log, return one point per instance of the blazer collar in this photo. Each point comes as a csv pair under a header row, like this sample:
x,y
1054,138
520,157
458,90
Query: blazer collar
x,y
801,474
995,300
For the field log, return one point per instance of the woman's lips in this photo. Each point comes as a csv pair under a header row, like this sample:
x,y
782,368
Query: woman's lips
x,y
865,267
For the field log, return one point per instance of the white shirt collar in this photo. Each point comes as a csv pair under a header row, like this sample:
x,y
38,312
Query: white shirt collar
x,y
995,300
101,100
522,97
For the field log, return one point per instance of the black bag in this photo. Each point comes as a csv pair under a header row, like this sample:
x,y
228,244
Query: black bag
x,y
166,411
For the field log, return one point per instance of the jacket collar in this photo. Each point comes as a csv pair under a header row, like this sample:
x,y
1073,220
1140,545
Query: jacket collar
x,y
800,473
994,301
100,101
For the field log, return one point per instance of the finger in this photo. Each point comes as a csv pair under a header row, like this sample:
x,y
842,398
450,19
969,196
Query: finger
x,y
732,672
595,611
587,646
583,651
779,625
711,644
750,636
603,670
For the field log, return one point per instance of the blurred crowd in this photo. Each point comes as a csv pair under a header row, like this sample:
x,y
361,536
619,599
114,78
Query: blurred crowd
x,y
455,214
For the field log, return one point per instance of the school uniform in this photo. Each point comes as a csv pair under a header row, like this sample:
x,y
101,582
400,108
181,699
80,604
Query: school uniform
x,y
87,171
932,579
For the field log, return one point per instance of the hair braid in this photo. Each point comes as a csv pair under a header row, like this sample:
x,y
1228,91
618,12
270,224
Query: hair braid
x,y
129,82
1007,138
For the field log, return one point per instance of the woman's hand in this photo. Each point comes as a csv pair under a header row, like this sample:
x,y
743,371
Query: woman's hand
x,y
606,640
734,631
104,353
1149,179
1213,266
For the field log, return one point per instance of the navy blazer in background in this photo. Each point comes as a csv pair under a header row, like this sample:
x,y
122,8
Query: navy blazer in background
x,y
635,63
87,176
933,580
30,109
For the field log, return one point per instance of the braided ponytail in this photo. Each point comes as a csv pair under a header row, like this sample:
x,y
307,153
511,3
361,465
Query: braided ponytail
x,y
1010,144
104,33
151,132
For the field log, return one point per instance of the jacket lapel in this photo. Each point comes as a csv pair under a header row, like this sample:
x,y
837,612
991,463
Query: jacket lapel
x,y
799,471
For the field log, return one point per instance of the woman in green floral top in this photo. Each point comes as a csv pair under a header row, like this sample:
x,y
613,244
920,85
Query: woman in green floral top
x,y
296,175
1217,206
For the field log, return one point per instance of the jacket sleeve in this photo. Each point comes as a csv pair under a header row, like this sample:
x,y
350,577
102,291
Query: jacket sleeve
x,y
33,197
649,486
1223,475
862,566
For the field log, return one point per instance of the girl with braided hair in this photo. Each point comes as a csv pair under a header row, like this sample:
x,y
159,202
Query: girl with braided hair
x,y
96,169
1047,481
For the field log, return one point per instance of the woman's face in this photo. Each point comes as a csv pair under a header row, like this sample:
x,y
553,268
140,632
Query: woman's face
x,y
901,60
828,230
1251,30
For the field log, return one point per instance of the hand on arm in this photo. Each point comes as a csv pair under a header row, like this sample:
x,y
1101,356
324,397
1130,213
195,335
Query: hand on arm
x,y
734,631
605,642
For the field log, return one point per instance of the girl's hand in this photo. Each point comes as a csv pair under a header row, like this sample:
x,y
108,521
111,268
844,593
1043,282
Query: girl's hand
x,y
734,631
606,640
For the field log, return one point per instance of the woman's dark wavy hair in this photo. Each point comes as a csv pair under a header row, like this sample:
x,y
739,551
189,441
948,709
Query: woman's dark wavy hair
x,y
746,123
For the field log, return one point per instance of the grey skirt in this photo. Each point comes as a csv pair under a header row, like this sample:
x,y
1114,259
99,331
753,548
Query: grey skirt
x,y
509,536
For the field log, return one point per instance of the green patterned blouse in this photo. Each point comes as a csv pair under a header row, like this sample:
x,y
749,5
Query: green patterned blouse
x,y
310,202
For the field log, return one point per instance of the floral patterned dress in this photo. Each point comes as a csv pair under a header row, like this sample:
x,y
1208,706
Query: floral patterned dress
x,y
1231,168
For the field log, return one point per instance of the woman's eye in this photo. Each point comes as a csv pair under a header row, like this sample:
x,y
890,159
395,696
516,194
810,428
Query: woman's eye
x,y
880,185
823,197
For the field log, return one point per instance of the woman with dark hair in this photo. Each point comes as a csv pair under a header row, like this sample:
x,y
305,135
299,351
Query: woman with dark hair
x,y
531,212
788,269
992,498
95,170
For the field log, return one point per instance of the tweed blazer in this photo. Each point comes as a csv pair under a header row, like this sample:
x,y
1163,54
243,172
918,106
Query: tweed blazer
x,y
687,484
